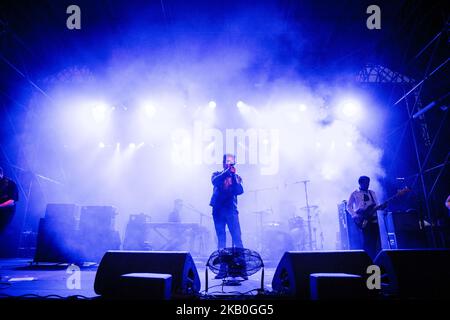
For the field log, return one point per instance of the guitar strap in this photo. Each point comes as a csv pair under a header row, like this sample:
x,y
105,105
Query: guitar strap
x,y
373,200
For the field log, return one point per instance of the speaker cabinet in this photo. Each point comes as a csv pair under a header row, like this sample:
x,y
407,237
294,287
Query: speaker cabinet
x,y
423,273
57,234
292,276
156,286
114,264
95,218
409,233
56,243
350,235
63,215
63,237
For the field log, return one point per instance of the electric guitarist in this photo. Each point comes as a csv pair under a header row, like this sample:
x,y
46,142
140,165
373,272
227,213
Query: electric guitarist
x,y
361,200
8,198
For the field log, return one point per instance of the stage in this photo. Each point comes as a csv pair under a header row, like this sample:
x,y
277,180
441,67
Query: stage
x,y
308,137
22,279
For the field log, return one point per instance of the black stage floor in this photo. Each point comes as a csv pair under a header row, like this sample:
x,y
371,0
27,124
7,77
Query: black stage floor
x,y
20,278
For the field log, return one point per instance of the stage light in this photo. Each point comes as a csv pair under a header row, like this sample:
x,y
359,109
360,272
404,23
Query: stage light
x,y
149,110
351,108
212,104
333,145
302,107
243,107
140,145
99,113
349,144
328,172
132,146
101,145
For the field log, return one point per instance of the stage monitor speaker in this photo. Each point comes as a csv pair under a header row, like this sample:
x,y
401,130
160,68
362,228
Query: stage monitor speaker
x,y
292,276
114,264
423,273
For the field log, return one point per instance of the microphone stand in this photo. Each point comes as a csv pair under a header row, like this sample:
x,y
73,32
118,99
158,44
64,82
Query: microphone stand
x,y
308,210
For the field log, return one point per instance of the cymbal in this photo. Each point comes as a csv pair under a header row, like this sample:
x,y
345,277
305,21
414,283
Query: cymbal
x,y
262,212
272,224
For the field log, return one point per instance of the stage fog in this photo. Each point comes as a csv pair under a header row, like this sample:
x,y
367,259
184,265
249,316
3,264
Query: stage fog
x,y
150,122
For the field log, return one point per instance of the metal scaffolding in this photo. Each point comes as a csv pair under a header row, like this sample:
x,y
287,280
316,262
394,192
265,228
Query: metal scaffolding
x,y
416,119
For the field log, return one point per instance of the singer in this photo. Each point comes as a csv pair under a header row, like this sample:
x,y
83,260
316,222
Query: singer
x,y
227,186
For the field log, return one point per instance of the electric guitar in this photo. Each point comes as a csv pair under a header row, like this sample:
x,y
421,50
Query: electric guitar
x,y
3,200
363,216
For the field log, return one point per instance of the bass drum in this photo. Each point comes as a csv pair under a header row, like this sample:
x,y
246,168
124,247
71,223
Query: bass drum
x,y
296,223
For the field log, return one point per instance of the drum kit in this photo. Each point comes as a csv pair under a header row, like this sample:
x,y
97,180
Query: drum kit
x,y
300,233
304,231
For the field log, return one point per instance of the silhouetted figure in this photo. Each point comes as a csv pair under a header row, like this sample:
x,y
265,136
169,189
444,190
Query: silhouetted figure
x,y
9,195
362,200
227,186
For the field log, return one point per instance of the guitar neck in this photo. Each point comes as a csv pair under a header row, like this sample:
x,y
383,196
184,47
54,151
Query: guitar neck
x,y
389,200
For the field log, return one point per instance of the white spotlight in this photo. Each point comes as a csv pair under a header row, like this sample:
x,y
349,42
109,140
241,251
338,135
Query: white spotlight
x,y
132,146
149,110
333,145
351,108
302,107
101,145
243,107
328,172
99,113
212,104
